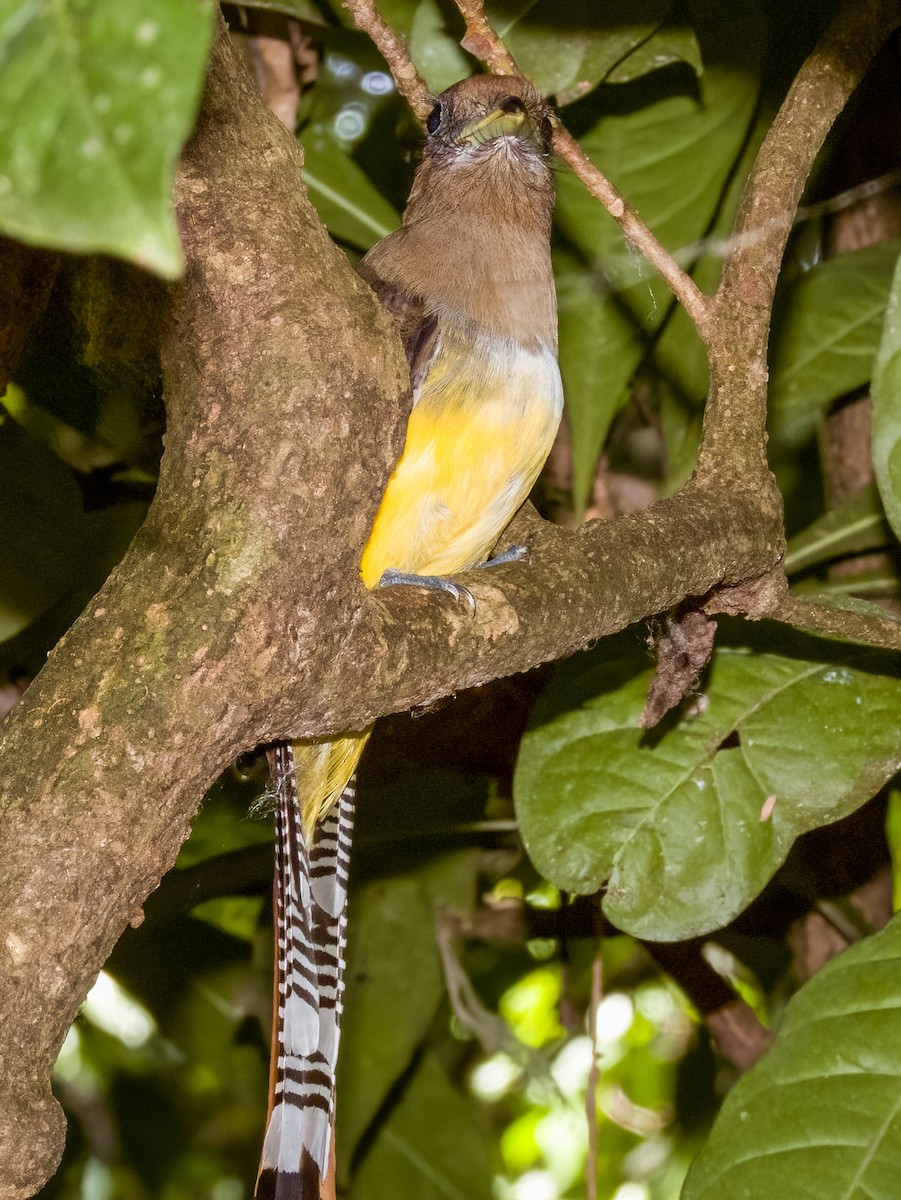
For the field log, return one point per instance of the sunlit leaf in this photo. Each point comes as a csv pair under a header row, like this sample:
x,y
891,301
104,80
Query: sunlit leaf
x,y
672,821
820,1113
96,99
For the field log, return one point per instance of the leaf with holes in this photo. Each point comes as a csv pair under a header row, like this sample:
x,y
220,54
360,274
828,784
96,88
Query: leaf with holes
x,y
672,821
820,1114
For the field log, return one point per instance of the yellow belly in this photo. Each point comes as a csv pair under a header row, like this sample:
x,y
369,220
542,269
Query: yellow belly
x,y
477,437
479,433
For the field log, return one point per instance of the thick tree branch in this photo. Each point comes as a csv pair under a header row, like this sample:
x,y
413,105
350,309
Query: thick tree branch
x,y
266,492
238,615
735,416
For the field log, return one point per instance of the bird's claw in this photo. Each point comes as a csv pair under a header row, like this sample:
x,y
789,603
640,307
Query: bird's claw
x,y
433,583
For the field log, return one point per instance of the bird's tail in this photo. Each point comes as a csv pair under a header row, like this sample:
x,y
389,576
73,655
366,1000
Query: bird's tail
x,y
311,873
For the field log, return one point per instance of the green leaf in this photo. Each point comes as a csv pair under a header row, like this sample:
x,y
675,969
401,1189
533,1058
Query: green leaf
x,y
858,524
436,50
672,820
394,984
887,408
96,99
597,352
430,1148
672,156
667,45
820,1114
566,50
350,206
825,337
893,837
678,354
433,29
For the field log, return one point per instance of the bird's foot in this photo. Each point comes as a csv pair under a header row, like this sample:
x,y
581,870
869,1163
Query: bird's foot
x,y
511,554
434,583
437,583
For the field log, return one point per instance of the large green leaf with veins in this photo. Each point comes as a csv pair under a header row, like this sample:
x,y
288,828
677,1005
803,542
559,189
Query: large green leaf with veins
x,y
672,821
820,1114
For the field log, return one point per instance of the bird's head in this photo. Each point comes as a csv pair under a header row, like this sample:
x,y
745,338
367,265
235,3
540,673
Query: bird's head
x,y
480,115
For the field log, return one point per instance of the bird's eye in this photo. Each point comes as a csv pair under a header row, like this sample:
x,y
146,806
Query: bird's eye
x,y
434,119
512,104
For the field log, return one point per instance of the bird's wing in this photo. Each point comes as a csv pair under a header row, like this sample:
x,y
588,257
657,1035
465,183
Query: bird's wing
x,y
418,328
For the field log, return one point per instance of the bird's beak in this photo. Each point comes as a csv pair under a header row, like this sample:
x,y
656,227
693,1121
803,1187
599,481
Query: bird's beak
x,y
496,124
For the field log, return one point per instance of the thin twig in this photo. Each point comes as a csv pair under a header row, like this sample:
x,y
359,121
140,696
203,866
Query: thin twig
x,y
698,306
393,48
869,627
484,42
739,1035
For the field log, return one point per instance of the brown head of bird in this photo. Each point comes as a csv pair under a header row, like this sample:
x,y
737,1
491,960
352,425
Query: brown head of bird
x,y
474,243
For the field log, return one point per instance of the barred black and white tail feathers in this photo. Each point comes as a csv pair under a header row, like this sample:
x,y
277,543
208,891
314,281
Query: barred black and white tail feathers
x,y
310,913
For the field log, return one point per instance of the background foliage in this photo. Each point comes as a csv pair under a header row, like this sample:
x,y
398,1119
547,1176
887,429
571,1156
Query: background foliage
x,y
474,1046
